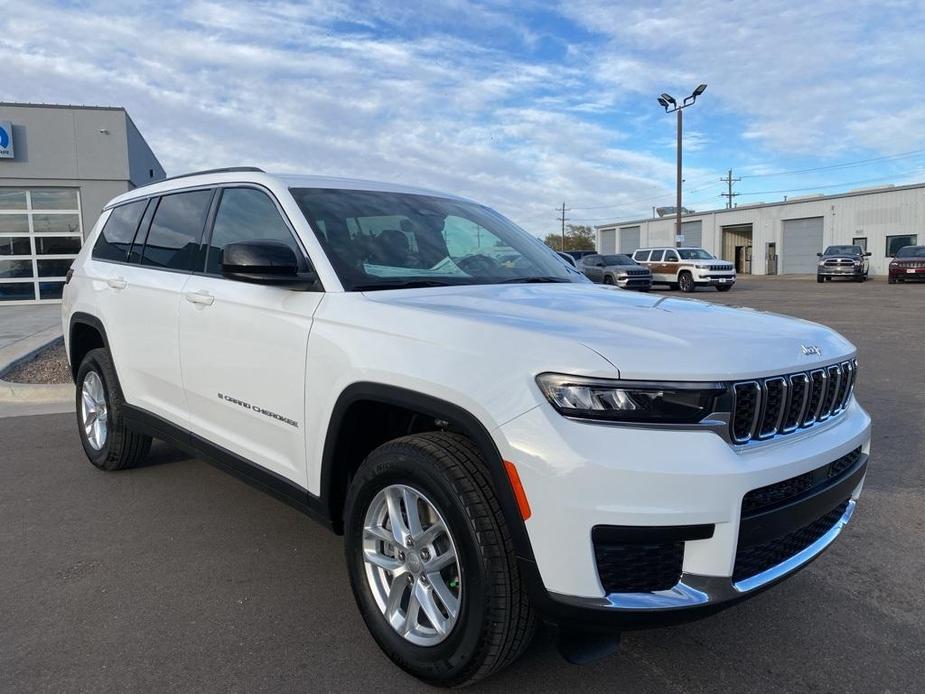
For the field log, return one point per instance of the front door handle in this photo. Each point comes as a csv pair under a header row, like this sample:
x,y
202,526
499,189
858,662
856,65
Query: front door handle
x,y
117,283
202,298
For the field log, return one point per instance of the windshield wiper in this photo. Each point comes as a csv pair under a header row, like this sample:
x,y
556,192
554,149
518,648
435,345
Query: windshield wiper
x,y
530,280
401,284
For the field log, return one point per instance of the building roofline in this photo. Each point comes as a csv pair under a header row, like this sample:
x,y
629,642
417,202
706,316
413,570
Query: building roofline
x,y
759,205
25,104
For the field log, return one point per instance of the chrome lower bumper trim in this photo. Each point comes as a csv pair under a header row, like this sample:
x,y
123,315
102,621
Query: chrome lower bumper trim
x,y
695,590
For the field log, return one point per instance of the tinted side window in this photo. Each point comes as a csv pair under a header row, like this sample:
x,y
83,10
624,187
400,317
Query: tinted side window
x,y
589,260
245,214
176,230
671,256
117,235
656,255
641,255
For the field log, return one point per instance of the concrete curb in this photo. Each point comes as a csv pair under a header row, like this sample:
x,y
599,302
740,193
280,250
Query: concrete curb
x,y
36,392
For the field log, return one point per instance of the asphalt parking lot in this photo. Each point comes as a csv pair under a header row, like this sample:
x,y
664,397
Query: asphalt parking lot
x,y
178,577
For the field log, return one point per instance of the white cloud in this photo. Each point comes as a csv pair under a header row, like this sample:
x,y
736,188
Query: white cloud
x,y
432,93
806,77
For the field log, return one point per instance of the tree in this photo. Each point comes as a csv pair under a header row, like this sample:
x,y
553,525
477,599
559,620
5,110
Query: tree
x,y
577,238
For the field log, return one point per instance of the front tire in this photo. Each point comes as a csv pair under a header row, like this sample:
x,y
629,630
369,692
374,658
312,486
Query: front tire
x,y
608,280
686,282
723,287
448,605
107,441
820,279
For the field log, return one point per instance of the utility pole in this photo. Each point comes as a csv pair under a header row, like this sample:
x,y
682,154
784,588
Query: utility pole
x,y
729,180
562,218
671,105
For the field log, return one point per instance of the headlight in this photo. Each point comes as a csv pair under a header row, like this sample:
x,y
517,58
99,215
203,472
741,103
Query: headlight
x,y
700,266
630,401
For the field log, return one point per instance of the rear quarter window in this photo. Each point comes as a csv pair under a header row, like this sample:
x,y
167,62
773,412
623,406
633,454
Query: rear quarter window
x,y
117,235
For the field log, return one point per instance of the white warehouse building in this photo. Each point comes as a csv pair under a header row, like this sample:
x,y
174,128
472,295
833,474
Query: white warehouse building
x,y
784,237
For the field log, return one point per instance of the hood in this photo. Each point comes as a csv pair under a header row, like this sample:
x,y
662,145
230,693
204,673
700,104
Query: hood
x,y
644,336
626,267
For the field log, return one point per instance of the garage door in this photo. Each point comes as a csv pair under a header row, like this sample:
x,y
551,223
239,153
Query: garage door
x,y
692,234
607,241
802,239
629,239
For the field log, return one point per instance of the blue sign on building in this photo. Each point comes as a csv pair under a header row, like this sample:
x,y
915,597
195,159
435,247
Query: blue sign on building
x,y
6,140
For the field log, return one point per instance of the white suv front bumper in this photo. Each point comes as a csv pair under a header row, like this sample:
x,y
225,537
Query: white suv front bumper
x,y
579,475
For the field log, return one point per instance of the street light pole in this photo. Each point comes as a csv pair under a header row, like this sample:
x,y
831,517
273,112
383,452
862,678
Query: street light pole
x,y
670,104
677,236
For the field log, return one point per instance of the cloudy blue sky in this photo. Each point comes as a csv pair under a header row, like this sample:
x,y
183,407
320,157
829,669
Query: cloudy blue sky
x,y
520,104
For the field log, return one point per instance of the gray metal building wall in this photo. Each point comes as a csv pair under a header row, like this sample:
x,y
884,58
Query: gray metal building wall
x,y
96,151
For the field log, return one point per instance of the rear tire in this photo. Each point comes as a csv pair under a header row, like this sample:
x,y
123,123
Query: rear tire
x,y
494,621
891,280
107,441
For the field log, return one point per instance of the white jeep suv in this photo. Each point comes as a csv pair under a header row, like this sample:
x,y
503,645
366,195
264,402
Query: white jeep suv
x,y
499,440
687,268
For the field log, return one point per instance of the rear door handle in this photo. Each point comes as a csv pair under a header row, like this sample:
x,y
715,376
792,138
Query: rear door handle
x,y
117,283
202,298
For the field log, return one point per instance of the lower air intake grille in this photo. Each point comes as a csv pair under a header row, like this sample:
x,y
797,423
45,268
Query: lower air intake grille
x,y
753,559
639,568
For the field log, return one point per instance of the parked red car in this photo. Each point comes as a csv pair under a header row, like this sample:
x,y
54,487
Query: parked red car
x,y
908,265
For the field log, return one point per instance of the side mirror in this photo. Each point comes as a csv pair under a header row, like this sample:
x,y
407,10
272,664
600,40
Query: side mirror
x,y
265,262
868,254
818,255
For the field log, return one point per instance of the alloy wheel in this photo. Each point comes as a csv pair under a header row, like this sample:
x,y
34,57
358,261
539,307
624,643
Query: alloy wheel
x,y
412,567
94,413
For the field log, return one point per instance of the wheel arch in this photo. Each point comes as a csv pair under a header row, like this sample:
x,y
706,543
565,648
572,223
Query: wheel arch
x,y
337,465
85,332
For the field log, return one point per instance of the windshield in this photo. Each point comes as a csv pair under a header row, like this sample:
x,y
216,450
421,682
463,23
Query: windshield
x,y
843,250
380,240
911,252
694,254
618,260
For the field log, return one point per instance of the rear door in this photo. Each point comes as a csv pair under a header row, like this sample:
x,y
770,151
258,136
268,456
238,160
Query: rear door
x,y
243,347
591,266
657,265
140,295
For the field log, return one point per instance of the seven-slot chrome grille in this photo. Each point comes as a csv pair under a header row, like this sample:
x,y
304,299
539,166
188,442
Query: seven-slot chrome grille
x,y
767,407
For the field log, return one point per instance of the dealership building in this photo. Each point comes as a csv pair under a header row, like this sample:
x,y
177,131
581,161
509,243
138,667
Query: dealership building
x,y
58,166
784,237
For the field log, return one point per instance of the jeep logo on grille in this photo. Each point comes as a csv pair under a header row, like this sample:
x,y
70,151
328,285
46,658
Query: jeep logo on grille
x,y
810,350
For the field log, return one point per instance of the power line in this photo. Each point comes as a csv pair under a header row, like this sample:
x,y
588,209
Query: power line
x,y
843,165
832,185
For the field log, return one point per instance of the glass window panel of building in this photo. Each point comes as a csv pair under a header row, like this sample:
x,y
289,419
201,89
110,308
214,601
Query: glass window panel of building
x,y
40,234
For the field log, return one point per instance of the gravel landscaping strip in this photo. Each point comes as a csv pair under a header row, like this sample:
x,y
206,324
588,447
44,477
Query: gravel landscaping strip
x,y
48,366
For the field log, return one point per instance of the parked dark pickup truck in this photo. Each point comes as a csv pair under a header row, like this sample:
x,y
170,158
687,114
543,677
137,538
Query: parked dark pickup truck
x,y
842,261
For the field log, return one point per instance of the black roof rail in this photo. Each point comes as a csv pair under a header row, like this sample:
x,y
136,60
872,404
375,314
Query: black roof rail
x,y
227,169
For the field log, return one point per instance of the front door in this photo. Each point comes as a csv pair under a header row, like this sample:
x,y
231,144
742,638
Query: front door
x,y
243,347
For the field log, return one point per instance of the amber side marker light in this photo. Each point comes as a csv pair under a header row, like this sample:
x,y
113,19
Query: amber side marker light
x,y
518,488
